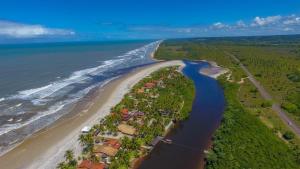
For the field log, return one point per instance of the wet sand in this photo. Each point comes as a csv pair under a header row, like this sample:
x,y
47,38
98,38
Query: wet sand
x,y
214,70
46,148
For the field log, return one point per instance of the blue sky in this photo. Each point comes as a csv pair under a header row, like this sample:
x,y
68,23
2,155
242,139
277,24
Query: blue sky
x,y
30,20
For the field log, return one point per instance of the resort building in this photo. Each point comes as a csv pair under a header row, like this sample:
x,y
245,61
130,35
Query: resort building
x,y
127,129
141,90
87,164
125,114
105,149
149,85
139,114
113,143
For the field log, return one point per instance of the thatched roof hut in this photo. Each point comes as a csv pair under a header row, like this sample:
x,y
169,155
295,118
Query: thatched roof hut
x,y
127,129
108,150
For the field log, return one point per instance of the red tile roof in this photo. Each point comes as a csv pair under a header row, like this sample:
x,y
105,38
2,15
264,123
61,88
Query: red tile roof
x,y
97,166
124,111
87,164
149,85
114,143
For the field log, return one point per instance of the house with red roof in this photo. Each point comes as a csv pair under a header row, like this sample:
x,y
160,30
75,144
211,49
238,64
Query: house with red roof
x,y
149,85
113,143
125,114
87,164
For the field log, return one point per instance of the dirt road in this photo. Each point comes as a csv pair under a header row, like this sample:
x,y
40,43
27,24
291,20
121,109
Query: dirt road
x,y
276,107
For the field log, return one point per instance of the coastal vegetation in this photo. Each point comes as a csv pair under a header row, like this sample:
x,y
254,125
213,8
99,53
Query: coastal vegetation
x,y
145,113
242,141
277,68
273,60
251,134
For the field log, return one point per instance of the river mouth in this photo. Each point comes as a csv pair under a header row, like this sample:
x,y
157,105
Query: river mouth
x,y
192,136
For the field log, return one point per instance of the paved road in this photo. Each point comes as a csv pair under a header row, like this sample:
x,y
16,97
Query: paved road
x,y
276,107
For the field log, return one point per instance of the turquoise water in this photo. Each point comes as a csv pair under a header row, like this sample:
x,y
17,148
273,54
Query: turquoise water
x,y
38,81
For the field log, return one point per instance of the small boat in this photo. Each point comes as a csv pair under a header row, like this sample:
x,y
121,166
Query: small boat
x,y
168,141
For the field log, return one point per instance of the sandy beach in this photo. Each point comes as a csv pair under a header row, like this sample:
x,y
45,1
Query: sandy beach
x,y
214,70
46,148
153,53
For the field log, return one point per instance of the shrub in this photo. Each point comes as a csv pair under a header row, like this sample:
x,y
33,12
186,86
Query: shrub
x,y
253,90
266,104
290,107
294,77
288,135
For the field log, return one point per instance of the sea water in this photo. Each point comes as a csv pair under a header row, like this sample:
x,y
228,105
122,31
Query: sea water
x,y
39,81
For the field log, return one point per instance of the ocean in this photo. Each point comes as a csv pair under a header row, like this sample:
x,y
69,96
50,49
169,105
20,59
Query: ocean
x,y
40,82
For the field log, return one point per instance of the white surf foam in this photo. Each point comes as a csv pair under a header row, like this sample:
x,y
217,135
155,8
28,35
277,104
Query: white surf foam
x,y
38,95
9,127
52,110
76,77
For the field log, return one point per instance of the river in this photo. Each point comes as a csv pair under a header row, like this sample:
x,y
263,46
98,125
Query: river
x,y
192,136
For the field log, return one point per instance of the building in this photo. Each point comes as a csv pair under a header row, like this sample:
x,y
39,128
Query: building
x,y
124,111
149,85
113,143
87,164
139,114
165,112
125,114
141,90
127,129
105,149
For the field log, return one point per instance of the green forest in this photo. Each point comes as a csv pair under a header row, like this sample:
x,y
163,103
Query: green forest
x,y
251,134
243,141
274,60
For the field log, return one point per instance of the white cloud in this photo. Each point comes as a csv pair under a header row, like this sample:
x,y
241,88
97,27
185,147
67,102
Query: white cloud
x,y
259,21
219,25
241,24
288,29
19,30
292,20
184,30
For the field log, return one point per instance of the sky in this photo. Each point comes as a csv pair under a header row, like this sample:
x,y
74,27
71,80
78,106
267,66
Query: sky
x,y
85,20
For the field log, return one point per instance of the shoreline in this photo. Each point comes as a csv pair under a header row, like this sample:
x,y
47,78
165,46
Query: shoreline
x,y
82,105
152,55
47,147
214,70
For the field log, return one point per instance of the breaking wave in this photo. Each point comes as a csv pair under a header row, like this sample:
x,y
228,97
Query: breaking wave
x,y
52,98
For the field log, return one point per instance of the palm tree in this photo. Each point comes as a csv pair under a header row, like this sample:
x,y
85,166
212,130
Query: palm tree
x,y
73,163
82,139
94,158
61,165
69,155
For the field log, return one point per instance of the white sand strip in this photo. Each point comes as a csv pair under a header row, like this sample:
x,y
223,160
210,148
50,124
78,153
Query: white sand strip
x,y
54,154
